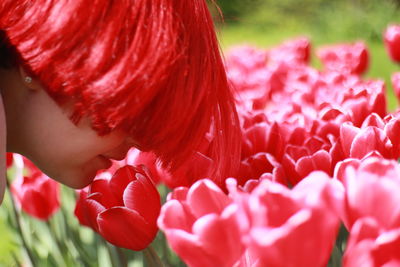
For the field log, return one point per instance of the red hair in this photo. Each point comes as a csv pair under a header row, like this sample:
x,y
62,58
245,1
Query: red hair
x,y
150,67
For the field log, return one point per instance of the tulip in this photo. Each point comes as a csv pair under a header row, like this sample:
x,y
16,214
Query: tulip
x,y
392,42
371,246
149,159
347,58
396,84
246,58
200,225
255,166
298,227
123,209
37,194
372,187
9,159
295,51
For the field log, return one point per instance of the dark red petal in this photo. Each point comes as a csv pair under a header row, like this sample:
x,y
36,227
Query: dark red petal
x,y
144,200
108,198
92,210
126,228
38,205
80,208
120,180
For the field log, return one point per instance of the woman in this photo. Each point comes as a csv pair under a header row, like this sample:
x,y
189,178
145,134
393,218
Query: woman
x,y
83,81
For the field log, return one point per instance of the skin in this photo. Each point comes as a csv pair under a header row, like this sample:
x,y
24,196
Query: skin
x,y
41,130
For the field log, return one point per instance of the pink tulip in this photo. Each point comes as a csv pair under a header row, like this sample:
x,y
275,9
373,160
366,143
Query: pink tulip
x,y
371,246
296,51
347,58
392,41
246,58
396,84
283,227
376,136
37,194
372,188
357,143
200,225
299,161
123,209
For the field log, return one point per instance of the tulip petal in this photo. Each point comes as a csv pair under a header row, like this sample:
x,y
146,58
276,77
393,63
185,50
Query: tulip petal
x,y
141,196
205,197
179,193
218,234
120,180
36,204
175,214
126,228
370,139
189,248
320,160
108,198
80,209
347,134
92,210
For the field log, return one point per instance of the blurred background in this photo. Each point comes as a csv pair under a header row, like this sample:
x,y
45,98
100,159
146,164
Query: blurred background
x,y
265,23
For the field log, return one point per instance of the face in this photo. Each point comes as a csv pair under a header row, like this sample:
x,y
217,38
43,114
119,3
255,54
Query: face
x,y
42,131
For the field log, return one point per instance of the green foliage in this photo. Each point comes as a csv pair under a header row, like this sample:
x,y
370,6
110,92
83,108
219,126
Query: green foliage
x,y
233,10
356,20
8,246
329,20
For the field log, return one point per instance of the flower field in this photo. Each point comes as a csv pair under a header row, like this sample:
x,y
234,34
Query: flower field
x,y
318,183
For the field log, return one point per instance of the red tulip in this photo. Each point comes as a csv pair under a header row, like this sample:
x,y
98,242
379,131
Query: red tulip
x,y
200,225
149,159
123,209
392,41
9,159
37,194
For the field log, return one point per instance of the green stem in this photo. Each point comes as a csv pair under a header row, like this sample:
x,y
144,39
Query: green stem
x,y
19,227
82,255
122,258
111,253
152,258
59,246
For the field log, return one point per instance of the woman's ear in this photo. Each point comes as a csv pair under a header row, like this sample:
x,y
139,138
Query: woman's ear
x,y
28,80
